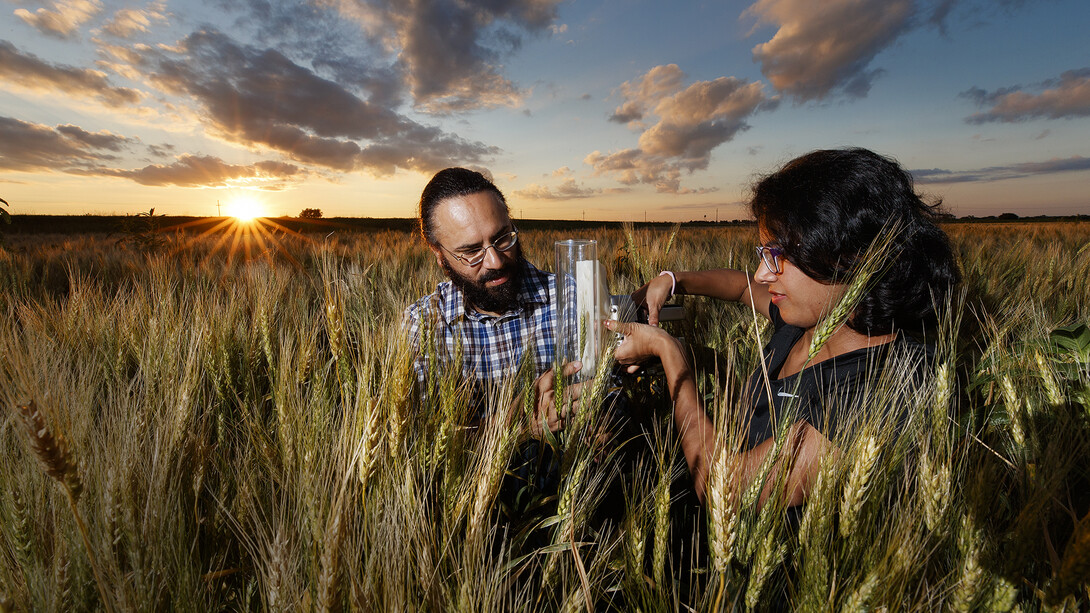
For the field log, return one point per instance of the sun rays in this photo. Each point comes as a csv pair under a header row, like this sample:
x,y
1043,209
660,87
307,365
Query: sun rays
x,y
245,235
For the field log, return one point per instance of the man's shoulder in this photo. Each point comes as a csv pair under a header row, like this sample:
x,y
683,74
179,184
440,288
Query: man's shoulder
x,y
537,284
432,304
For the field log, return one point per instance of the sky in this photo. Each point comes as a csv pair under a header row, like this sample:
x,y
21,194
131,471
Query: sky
x,y
625,110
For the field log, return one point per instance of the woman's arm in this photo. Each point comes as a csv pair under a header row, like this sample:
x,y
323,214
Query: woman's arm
x,y
805,445
722,283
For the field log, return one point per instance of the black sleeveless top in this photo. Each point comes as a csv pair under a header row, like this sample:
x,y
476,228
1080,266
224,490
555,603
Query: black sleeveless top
x,y
829,393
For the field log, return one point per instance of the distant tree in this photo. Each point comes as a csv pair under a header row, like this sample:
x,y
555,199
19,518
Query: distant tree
x,y
311,214
1008,216
142,231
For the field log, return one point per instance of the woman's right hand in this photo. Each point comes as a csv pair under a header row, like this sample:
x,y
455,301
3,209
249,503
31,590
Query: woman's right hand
x,y
641,343
653,295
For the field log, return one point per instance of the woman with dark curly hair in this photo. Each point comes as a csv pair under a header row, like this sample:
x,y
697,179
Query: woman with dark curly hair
x,y
816,218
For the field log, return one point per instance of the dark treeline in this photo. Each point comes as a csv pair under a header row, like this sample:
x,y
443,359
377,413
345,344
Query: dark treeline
x,y
121,224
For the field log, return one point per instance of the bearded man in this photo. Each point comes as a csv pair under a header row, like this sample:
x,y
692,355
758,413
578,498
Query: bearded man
x,y
496,310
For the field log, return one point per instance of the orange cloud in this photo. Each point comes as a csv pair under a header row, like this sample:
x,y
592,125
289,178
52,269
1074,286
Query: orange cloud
x,y
679,126
27,70
65,18
1065,98
824,47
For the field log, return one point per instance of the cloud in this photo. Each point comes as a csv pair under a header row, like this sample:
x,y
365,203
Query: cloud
x,y
209,171
27,147
104,140
567,190
161,151
65,18
451,53
1001,173
29,71
825,48
641,95
1063,98
679,126
127,22
259,97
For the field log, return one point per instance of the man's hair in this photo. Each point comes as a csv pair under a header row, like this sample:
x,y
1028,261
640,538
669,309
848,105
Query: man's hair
x,y
826,207
451,183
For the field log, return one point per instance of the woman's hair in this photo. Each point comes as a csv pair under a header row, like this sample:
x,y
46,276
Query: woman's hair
x,y
451,183
826,207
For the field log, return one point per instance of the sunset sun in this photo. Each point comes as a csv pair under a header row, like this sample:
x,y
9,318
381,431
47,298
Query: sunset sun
x,y
246,208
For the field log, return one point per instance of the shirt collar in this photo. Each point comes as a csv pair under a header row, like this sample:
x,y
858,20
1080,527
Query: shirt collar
x,y
534,291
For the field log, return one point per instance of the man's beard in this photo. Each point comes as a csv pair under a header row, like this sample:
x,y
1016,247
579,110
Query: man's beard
x,y
500,299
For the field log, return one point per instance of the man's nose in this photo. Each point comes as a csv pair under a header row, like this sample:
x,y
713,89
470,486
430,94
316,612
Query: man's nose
x,y
493,258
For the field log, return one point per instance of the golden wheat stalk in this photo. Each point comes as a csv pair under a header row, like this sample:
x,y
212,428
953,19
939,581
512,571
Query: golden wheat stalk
x,y
972,575
1014,409
934,483
859,481
329,576
722,513
569,515
53,455
944,393
1048,378
497,445
51,451
661,521
860,597
872,264
769,555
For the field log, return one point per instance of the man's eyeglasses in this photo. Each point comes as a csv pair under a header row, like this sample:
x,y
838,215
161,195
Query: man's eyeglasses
x,y
771,256
476,256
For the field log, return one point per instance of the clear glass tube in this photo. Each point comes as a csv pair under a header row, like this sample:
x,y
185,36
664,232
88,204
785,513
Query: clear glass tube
x,y
582,303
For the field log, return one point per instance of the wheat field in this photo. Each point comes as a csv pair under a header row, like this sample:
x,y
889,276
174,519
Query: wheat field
x,y
187,426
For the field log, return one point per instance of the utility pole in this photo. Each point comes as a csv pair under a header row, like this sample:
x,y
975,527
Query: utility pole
x,y
218,213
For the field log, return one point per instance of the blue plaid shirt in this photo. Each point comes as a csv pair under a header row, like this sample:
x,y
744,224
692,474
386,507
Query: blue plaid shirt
x,y
492,347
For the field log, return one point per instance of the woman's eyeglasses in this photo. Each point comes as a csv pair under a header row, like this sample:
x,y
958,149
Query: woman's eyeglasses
x,y
771,256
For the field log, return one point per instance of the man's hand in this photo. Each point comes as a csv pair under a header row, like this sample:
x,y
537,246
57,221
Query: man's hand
x,y
653,295
545,414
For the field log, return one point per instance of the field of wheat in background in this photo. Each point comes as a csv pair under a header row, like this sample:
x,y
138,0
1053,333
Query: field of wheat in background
x,y
183,428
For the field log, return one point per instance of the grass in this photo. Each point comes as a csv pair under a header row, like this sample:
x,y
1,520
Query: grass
x,y
246,437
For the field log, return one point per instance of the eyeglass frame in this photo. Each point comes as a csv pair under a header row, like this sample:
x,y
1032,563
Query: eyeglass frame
x,y
476,261
775,266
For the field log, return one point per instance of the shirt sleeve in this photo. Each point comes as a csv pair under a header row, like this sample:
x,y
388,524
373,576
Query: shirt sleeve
x,y
411,326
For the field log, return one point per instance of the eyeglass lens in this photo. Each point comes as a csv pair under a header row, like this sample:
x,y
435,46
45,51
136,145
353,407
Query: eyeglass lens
x,y
771,258
502,243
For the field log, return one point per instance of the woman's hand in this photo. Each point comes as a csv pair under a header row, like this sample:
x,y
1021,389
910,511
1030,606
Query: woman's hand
x,y
653,295
641,343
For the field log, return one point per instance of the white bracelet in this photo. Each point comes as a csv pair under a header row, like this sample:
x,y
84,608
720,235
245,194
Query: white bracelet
x,y
673,280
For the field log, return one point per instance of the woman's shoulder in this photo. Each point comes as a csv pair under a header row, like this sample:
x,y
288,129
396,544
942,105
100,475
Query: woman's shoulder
x,y
905,354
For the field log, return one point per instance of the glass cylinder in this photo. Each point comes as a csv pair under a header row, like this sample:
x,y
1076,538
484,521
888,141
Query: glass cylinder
x,y
582,304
